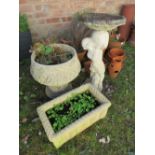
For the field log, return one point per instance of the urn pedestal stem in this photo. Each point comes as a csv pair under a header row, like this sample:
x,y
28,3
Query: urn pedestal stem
x,y
52,92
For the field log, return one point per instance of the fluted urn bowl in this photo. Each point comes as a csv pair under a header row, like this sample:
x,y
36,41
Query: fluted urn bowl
x,y
56,77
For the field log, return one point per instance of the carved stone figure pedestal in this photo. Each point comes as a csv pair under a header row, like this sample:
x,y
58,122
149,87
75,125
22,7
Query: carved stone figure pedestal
x,y
95,46
98,42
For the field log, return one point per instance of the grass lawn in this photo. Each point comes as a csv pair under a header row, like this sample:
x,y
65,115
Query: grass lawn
x,y
119,124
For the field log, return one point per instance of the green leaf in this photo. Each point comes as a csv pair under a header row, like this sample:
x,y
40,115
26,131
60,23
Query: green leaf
x,y
21,93
33,95
48,50
49,62
39,48
26,98
55,125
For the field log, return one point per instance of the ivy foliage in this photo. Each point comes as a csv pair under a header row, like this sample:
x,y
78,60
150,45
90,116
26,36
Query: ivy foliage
x,y
23,23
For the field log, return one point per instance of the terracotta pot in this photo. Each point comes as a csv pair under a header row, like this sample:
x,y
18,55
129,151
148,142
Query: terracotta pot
x,y
81,55
122,41
114,68
112,35
115,44
129,12
124,31
132,36
87,66
117,55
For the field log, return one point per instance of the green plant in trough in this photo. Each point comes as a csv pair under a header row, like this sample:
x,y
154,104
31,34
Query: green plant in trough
x,y
65,113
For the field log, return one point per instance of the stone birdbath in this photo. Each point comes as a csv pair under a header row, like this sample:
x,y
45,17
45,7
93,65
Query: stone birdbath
x,y
96,44
56,77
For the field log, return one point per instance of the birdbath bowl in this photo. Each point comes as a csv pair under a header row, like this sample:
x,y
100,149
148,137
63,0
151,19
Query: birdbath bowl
x,y
102,21
98,42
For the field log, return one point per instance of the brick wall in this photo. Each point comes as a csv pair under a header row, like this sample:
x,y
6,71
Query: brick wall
x,y
49,17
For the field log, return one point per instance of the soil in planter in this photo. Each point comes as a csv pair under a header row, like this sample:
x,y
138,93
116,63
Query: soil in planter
x,y
70,110
56,57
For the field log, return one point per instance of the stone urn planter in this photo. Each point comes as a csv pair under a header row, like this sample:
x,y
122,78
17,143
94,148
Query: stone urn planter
x,y
56,77
80,124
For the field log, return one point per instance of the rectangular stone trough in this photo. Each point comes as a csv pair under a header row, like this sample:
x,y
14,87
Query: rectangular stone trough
x,y
67,133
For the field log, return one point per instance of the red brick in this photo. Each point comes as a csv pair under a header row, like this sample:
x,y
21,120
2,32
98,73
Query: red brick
x,y
29,15
38,7
53,20
26,8
58,25
66,19
42,21
109,3
35,1
55,6
22,1
40,14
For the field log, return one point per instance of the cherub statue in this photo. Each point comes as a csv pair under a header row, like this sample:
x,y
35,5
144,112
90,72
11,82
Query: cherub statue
x,y
96,45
